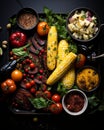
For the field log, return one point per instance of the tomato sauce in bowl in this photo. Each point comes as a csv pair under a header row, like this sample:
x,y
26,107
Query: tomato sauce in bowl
x,y
75,102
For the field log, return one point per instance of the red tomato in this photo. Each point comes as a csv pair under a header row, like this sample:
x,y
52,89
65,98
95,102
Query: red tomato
x,y
42,28
47,94
56,98
81,59
33,90
32,82
56,108
18,39
28,85
8,86
32,65
39,93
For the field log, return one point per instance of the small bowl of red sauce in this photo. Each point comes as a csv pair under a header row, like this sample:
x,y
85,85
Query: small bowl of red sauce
x,y
75,102
27,18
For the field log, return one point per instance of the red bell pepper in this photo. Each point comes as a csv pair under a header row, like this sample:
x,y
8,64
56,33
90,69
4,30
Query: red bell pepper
x,y
18,39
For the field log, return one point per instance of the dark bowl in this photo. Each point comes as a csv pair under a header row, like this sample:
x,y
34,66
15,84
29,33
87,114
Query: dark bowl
x,y
83,25
27,18
88,78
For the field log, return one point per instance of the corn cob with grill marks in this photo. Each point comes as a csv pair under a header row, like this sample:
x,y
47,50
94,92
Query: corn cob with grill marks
x,y
52,42
62,68
69,78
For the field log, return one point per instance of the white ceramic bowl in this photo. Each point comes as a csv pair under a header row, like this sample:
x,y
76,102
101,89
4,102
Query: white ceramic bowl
x,y
75,102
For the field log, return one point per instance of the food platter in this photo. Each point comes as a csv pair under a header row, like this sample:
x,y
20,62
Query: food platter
x,y
26,108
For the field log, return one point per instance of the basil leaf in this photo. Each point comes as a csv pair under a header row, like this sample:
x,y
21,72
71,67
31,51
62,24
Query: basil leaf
x,y
39,103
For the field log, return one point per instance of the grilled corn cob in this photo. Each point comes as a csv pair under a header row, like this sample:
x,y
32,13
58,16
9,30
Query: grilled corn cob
x,y
52,42
63,50
62,68
69,78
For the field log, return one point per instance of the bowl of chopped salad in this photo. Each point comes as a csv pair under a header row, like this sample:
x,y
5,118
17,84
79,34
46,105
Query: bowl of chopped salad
x,y
83,25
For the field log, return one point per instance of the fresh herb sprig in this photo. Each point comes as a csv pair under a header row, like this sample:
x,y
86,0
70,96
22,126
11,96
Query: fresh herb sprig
x,y
59,20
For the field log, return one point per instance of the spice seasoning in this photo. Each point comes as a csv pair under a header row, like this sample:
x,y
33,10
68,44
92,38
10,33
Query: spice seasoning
x,y
88,79
27,20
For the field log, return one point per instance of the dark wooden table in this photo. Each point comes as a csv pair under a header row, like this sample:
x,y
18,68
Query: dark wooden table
x,y
53,122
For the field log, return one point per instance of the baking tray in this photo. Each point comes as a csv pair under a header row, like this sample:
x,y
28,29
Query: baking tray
x,y
97,48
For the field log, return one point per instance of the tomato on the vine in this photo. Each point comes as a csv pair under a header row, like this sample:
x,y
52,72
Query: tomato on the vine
x,y
39,93
56,108
56,97
47,94
43,28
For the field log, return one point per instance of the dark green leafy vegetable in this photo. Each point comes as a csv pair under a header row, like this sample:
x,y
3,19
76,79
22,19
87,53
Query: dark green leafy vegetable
x,y
59,20
39,102
20,51
61,89
93,101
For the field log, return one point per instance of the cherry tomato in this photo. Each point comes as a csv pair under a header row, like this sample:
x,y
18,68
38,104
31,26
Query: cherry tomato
x,y
56,108
81,59
28,85
32,65
33,90
47,94
16,75
43,87
18,39
8,86
56,98
43,28
39,93
32,82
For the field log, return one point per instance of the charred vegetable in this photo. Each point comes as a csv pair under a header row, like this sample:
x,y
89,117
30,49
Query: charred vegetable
x,y
8,67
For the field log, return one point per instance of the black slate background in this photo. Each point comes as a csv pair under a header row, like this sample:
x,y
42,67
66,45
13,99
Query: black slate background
x,y
8,120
